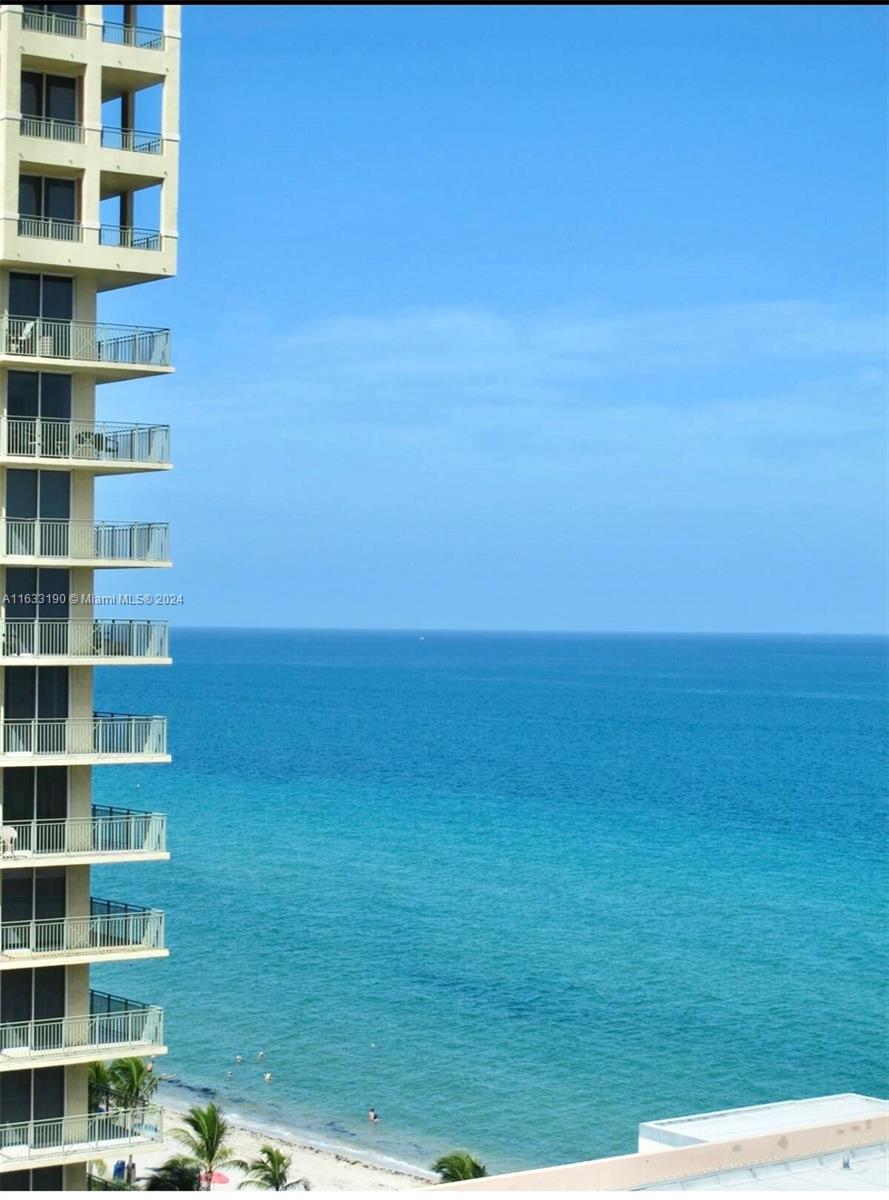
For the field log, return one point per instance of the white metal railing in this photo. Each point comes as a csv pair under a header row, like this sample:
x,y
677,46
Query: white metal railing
x,y
124,1024
107,831
137,140
42,537
50,227
120,929
53,128
94,1131
133,35
127,237
48,637
45,337
49,22
103,733
90,441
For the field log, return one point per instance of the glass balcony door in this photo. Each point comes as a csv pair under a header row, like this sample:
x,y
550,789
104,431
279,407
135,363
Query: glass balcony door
x,y
38,407
48,207
37,610
29,996
38,511
35,692
49,97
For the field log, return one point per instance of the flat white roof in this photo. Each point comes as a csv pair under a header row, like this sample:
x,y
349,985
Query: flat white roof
x,y
864,1169
762,1118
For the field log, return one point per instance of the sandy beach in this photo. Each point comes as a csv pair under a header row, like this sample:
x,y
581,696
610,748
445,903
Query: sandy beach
x,y
325,1169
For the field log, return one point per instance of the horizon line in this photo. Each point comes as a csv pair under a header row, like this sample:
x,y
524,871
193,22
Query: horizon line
x,y
423,630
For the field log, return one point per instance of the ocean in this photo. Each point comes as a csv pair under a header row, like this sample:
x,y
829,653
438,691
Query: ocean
x,y
517,892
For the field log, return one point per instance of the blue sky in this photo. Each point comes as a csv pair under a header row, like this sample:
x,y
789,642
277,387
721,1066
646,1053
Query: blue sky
x,y
513,318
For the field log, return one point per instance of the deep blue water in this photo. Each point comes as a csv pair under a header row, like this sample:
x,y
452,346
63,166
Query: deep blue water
x,y
518,892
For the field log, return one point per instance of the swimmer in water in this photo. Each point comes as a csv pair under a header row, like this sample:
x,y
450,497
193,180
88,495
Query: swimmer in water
x,y
373,1116
268,1077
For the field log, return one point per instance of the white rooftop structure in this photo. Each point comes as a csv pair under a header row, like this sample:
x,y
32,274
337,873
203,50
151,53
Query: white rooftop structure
x,y
861,1169
759,1119
825,1144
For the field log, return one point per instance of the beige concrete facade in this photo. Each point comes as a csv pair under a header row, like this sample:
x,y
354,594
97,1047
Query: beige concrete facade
x,y
64,71
667,1168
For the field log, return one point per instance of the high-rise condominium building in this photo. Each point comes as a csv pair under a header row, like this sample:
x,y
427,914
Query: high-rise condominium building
x,y
88,150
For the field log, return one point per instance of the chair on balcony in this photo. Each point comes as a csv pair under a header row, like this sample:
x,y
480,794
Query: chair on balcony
x,y
90,444
23,341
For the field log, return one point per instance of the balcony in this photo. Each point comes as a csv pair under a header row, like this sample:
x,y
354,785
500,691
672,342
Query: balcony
x,y
35,1143
133,35
85,543
102,643
53,129
127,237
50,227
109,835
86,342
114,1027
111,930
104,737
136,141
49,22
105,446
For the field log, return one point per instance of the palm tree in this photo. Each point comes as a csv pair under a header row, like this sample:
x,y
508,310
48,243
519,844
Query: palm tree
x,y
131,1082
271,1172
205,1140
459,1164
177,1174
100,1085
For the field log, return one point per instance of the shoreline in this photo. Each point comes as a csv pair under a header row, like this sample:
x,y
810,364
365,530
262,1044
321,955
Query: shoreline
x,y
327,1165
176,1097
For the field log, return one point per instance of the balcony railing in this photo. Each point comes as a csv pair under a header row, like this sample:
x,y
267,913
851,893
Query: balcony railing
x,y
49,22
44,337
86,441
110,929
103,733
127,237
50,227
45,637
53,128
133,35
111,1025
93,1132
136,140
107,831
135,542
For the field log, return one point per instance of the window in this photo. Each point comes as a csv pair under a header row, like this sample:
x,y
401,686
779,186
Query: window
x,y
38,511
37,995
58,10
50,296
48,207
50,97
38,407
38,394
37,611
34,793
36,692
44,494
32,1096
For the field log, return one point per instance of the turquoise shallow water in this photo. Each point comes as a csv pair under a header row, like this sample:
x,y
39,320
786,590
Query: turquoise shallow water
x,y
518,892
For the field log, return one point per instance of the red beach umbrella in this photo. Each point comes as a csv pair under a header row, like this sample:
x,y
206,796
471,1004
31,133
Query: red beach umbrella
x,y
216,1177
